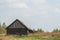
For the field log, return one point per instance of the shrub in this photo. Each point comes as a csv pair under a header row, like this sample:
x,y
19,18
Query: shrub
x,y
56,30
2,28
40,30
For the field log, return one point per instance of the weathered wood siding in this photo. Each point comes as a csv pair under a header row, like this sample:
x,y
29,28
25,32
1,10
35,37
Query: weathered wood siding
x,y
18,28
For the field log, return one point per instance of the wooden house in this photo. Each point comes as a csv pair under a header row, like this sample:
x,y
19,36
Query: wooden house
x,y
18,28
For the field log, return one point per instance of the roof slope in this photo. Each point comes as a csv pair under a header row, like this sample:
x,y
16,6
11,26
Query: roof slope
x,y
17,24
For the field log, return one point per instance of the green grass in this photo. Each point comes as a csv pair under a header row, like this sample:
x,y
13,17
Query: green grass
x,y
33,37
27,36
54,38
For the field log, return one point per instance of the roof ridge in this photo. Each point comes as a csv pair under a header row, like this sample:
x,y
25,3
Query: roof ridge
x,y
19,22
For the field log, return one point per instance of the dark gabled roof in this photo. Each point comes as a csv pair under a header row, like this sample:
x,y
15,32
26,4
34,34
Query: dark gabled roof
x,y
17,24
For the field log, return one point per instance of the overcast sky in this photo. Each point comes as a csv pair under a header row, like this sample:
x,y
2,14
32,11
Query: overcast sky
x,y
35,14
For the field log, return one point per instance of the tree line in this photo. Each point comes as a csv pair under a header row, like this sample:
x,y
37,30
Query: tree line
x,y
54,30
3,29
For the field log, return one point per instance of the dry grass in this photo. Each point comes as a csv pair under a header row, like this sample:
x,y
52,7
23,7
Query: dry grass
x,y
35,36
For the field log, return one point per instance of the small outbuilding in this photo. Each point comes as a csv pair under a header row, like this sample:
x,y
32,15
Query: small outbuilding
x,y
18,28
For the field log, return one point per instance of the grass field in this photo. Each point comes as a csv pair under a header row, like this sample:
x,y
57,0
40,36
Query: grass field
x,y
36,36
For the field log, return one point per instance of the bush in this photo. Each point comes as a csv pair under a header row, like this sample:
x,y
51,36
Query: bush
x,y
40,30
56,30
2,28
